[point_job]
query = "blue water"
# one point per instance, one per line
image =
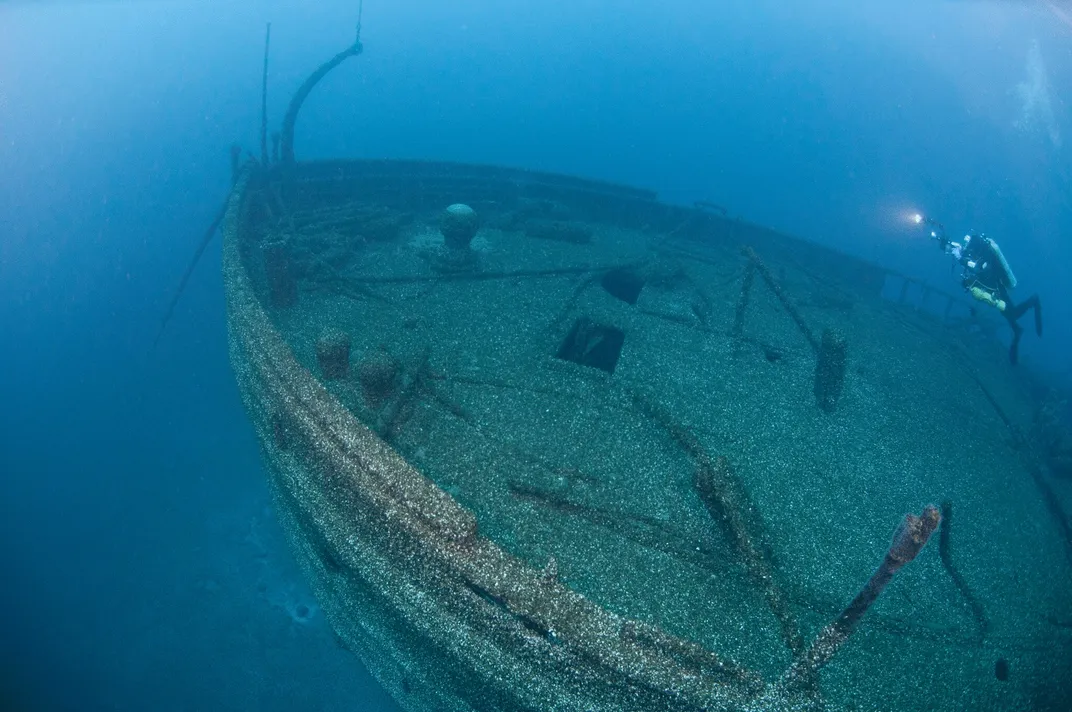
(142, 566)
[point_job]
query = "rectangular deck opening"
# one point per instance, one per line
(591, 344)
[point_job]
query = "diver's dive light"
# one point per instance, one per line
(937, 230)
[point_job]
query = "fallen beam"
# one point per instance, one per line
(727, 501)
(775, 287)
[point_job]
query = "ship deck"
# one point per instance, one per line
(625, 396)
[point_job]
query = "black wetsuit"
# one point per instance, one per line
(990, 276)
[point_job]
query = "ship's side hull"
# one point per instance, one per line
(443, 617)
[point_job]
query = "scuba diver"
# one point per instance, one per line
(987, 277)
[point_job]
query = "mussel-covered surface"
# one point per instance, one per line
(562, 446)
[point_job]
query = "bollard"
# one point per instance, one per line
(830, 370)
(459, 224)
(333, 354)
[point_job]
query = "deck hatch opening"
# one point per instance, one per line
(623, 283)
(592, 344)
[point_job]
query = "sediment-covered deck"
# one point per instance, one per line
(613, 454)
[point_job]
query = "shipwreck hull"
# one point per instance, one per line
(443, 617)
(424, 578)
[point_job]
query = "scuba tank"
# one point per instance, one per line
(984, 259)
(1010, 278)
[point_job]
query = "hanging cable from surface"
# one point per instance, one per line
(264, 97)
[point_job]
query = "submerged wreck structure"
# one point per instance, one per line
(546, 443)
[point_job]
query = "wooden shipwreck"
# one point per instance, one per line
(614, 454)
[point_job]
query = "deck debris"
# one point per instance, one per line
(333, 354)
(830, 369)
(775, 287)
(742, 301)
(727, 501)
(946, 554)
(908, 541)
